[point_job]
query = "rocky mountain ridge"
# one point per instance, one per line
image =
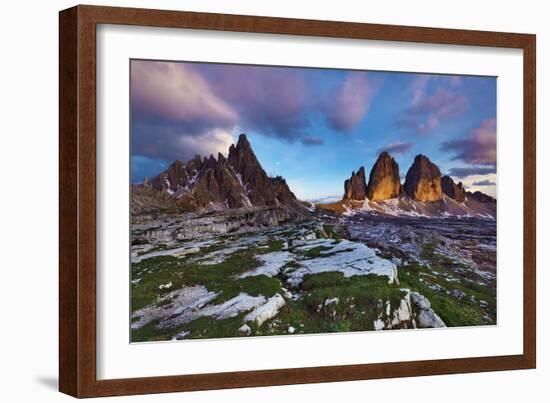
(212, 184)
(425, 192)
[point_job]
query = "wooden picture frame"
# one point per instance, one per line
(77, 182)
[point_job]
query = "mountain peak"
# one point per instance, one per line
(451, 189)
(384, 181)
(243, 159)
(355, 188)
(423, 180)
(220, 182)
(176, 164)
(243, 142)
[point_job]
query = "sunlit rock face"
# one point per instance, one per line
(384, 182)
(453, 190)
(355, 188)
(423, 180)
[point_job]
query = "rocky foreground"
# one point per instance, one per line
(331, 274)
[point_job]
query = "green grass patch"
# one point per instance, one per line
(273, 245)
(365, 291)
(150, 332)
(220, 278)
(253, 285)
(454, 311)
(315, 252)
(207, 327)
(334, 231)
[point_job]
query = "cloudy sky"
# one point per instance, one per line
(313, 126)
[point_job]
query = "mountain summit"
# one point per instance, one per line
(216, 184)
(423, 180)
(355, 188)
(384, 182)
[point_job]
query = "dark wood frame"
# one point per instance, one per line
(77, 208)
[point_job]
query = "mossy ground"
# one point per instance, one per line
(189, 271)
(361, 299)
(455, 311)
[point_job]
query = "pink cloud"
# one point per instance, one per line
(163, 91)
(427, 110)
(480, 147)
(350, 103)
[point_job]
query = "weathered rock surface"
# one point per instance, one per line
(414, 311)
(266, 311)
(355, 188)
(453, 190)
(177, 178)
(391, 317)
(146, 200)
(191, 225)
(423, 180)
(425, 317)
(218, 186)
(384, 182)
(358, 260)
(258, 186)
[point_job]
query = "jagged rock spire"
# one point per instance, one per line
(453, 190)
(355, 188)
(384, 182)
(423, 180)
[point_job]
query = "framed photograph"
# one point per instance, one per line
(254, 201)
